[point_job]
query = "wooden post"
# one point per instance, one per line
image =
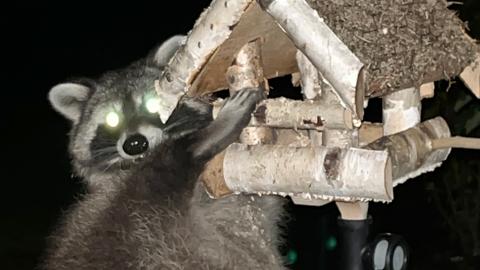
(343, 138)
(401, 110)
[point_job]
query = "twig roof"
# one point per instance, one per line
(403, 42)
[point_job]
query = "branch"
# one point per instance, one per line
(401, 110)
(456, 142)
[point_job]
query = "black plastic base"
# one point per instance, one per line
(353, 236)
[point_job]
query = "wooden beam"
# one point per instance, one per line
(353, 210)
(401, 110)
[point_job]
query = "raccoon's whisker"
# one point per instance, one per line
(101, 153)
(111, 163)
(104, 154)
(104, 151)
(172, 126)
(187, 124)
(105, 143)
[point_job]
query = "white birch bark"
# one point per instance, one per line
(401, 110)
(212, 28)
(296, 114)
(412, 151)
(309, 172)
(332, 58)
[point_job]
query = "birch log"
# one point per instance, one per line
(212, 28)
(296, 114)
(246, 70)
(332, 58)
(401, 110)
(411, 151)
(309, 172)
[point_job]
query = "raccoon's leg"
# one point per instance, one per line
(173, 169)
(225, 129)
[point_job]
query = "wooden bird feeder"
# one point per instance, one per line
(341, 53)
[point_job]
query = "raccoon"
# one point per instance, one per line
(144, 208)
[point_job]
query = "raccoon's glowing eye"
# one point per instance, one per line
(152, 105)
(112, 119)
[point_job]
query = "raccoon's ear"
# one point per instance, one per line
(160, 57)
(69, 99)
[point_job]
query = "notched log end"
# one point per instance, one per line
(212, 178)
(260, 114)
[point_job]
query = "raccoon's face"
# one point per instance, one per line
(115, 119)
(116, 131)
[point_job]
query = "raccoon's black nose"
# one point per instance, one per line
(135, 144)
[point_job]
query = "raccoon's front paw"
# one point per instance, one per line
(241, 104)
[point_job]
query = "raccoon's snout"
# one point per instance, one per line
(135, 144)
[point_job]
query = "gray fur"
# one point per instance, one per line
(167, 49)
(67, 99)
(149, 212)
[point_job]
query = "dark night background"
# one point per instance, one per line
(44, 44)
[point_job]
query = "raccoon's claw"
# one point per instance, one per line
(242, 102)
(248, 93)
(232, 118)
